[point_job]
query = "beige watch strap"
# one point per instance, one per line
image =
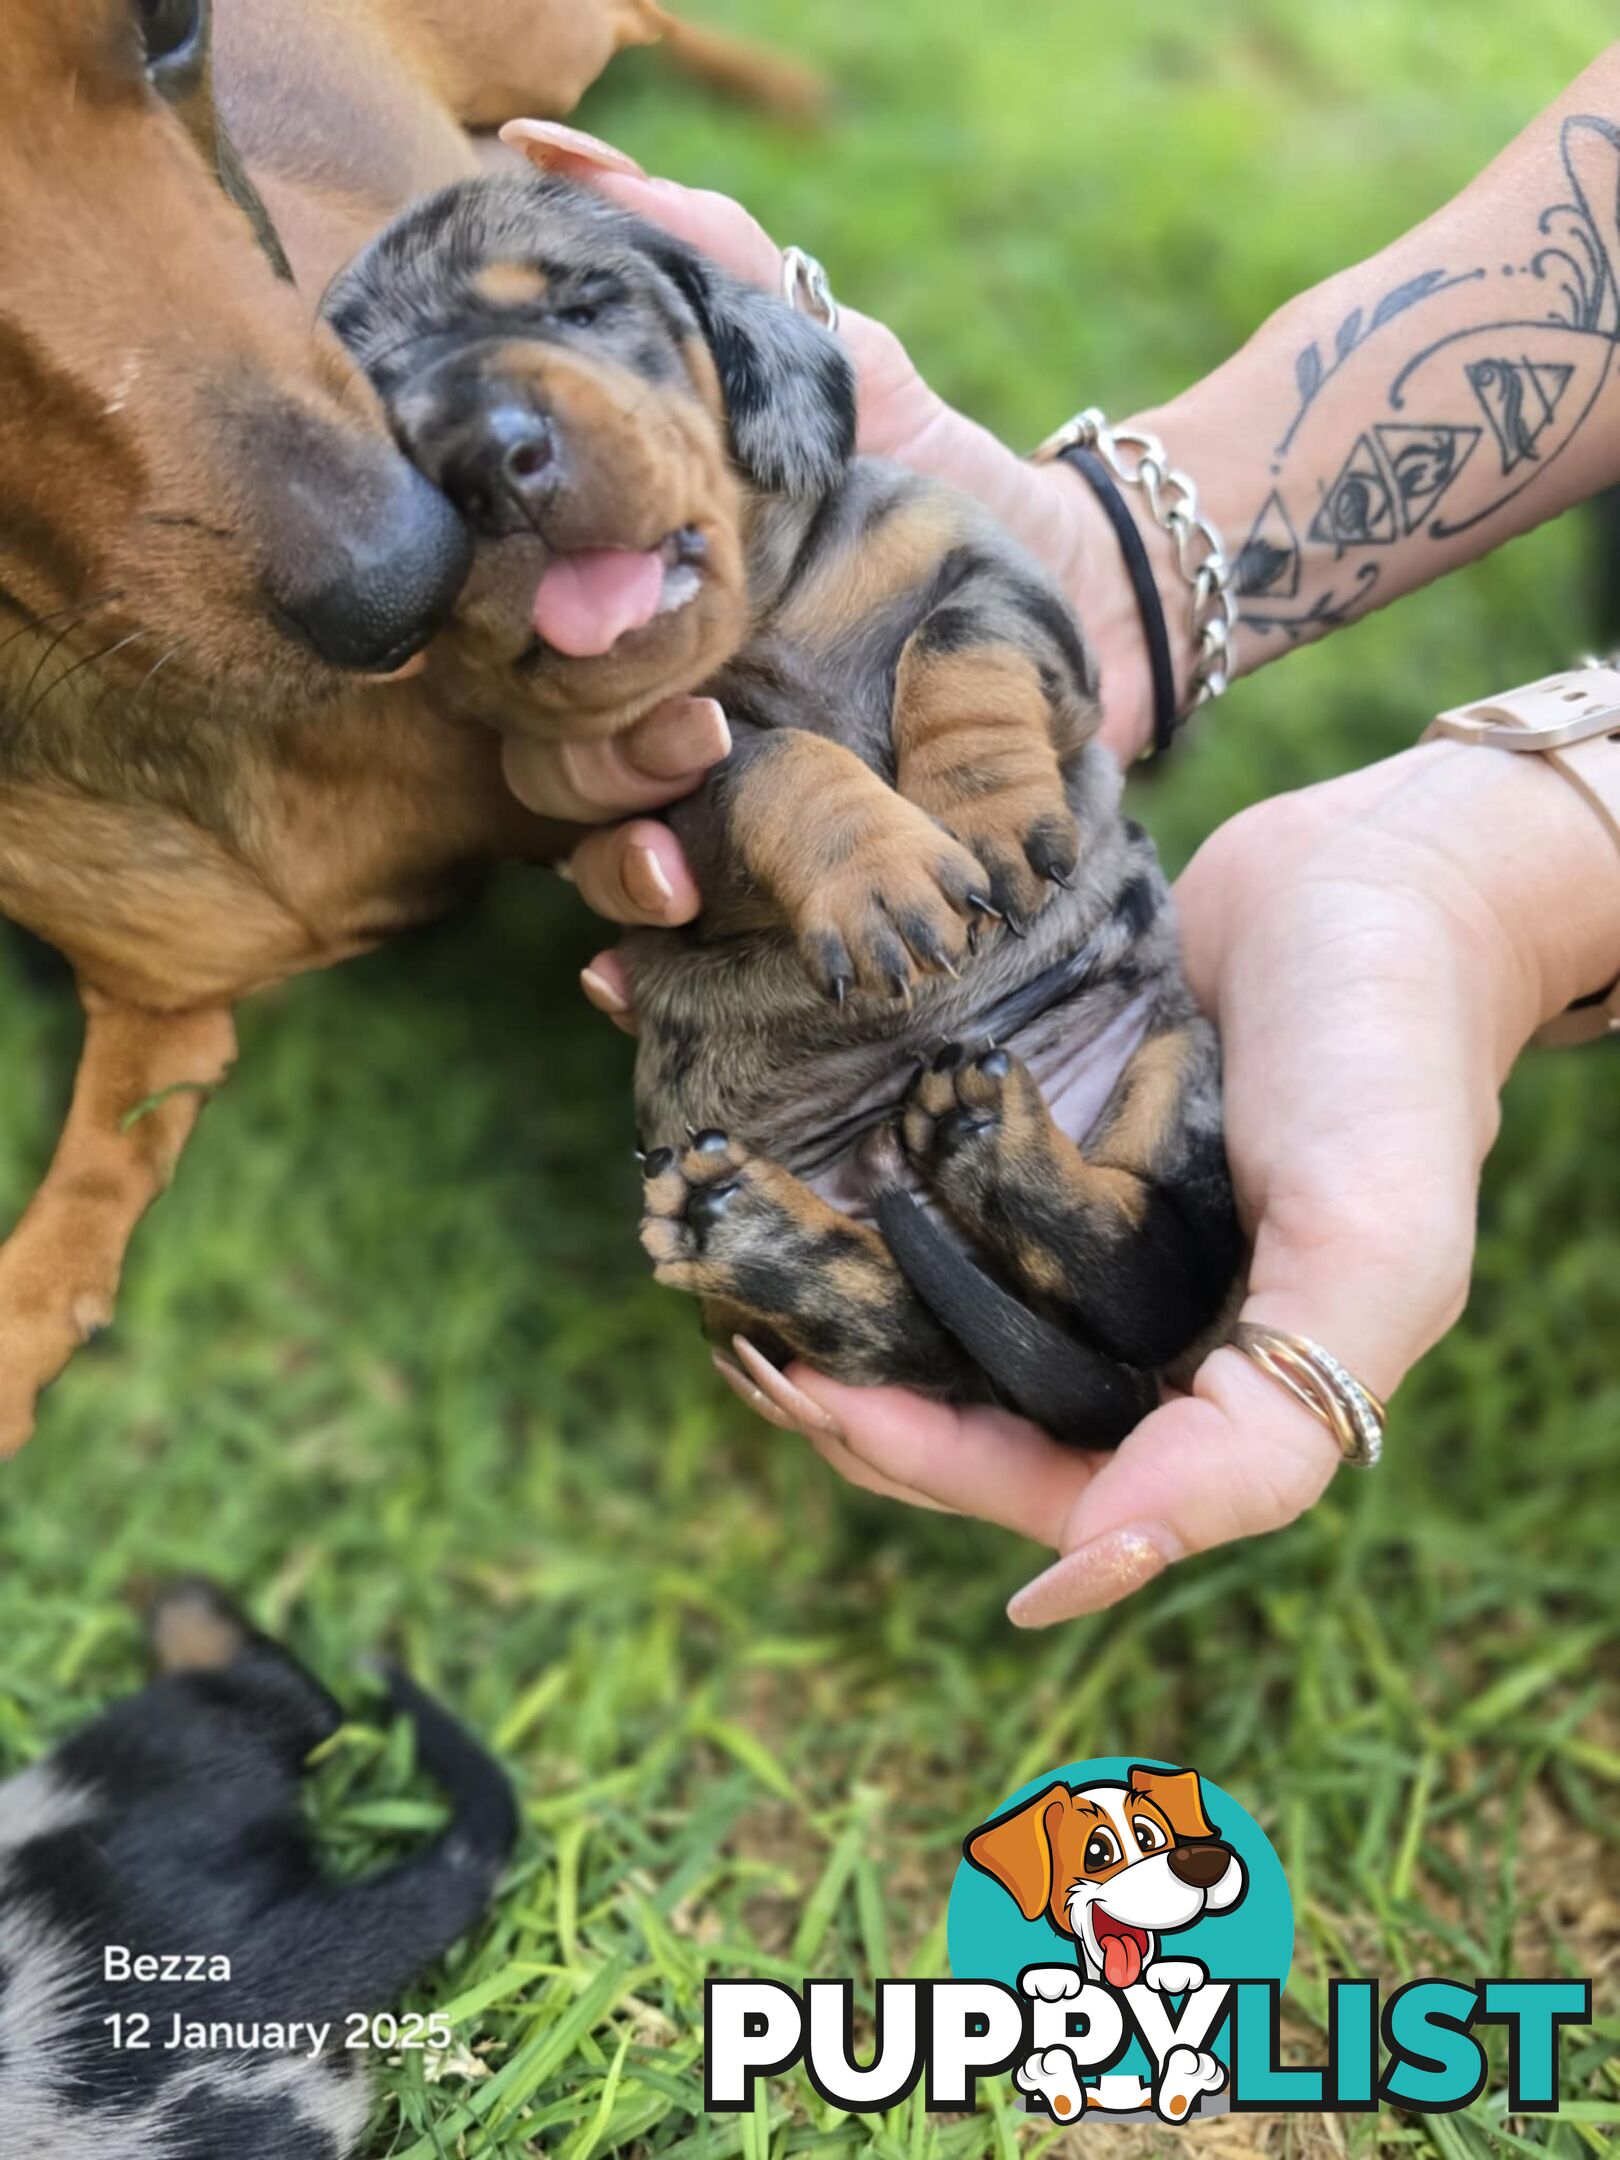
(1573, 721)
(1593, 768)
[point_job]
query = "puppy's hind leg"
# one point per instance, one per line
(142, 1083)
(1131, 1241)
(775, 1261)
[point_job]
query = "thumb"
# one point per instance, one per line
(1240, 1455)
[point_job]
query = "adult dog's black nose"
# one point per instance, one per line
(364, 557)
(1199, 1866)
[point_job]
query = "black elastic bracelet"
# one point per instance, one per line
(1143, 584)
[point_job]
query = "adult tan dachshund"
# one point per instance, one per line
(207, 535)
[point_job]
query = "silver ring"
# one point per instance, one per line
(807, 288)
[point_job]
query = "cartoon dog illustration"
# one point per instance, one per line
(1114, 1867)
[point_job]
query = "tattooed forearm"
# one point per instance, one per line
(1424, 399)
(1439, 406)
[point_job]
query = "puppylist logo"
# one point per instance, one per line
(1120, 1934)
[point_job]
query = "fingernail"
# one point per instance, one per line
(1096, 1575)
(602, 994)
(645, 883)
(564, 870)
(544, 140)
(801, 1411)
(746, 1392)
(685, 745)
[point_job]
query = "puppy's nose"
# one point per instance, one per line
(506, 470)
(1199, 1866)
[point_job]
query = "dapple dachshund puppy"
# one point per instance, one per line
(157, 1868)
(954, 1118)
(207, 537)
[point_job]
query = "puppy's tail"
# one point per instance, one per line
(1067, 1387)
(348, 1947)
(741, 68)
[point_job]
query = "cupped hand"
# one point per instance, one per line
(1373, 971)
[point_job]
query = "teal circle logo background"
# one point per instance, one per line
(988, 1938)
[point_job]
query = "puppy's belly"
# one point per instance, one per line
(733, 1037)
(1077, 1064)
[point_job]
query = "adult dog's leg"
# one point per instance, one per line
(143, 1080)
(496, 60)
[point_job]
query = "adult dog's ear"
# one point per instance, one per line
(788, 384)
(1179, 1797)
(1017, 1849)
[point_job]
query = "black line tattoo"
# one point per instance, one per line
(1499, 399)
(1328, 611)
(1312, 374)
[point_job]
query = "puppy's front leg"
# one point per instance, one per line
(982, 722)
(142, 1082)
(794, 831)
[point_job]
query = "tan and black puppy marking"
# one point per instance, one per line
(762, 1250)
(585, 393)
(871, 887)
(1106, 1237)
(916, 838)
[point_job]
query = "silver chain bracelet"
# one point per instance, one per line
(1172, 501)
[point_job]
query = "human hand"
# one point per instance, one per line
(1375, 951)
(1045, 506)
(633, 872)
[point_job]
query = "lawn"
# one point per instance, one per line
(389, 1363)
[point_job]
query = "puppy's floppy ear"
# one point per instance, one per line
(1017, 1849)
(1178, 1795)
(788, 384)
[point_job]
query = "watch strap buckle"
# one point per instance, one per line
(1573, 707)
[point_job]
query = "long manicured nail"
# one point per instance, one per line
(687, 742)
(746, 1392)
(602, 994)
(1096, 1575)
(546, 140)
(801, 1412)
(645, 883)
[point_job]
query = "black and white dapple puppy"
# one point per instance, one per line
(170, 1831)
(953, 1116)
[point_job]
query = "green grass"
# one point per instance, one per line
(389, 1364)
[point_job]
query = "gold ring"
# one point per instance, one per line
(1336, 1398)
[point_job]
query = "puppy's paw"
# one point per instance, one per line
(964, 1106)
(706, 1207)
(1028, 841)
(1051, 2079)
(1187, 2075)
(1174, 1976)
(901, 903)
(1051, 1983)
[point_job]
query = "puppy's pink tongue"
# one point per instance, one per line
(588, 601)
(1122, 1960)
